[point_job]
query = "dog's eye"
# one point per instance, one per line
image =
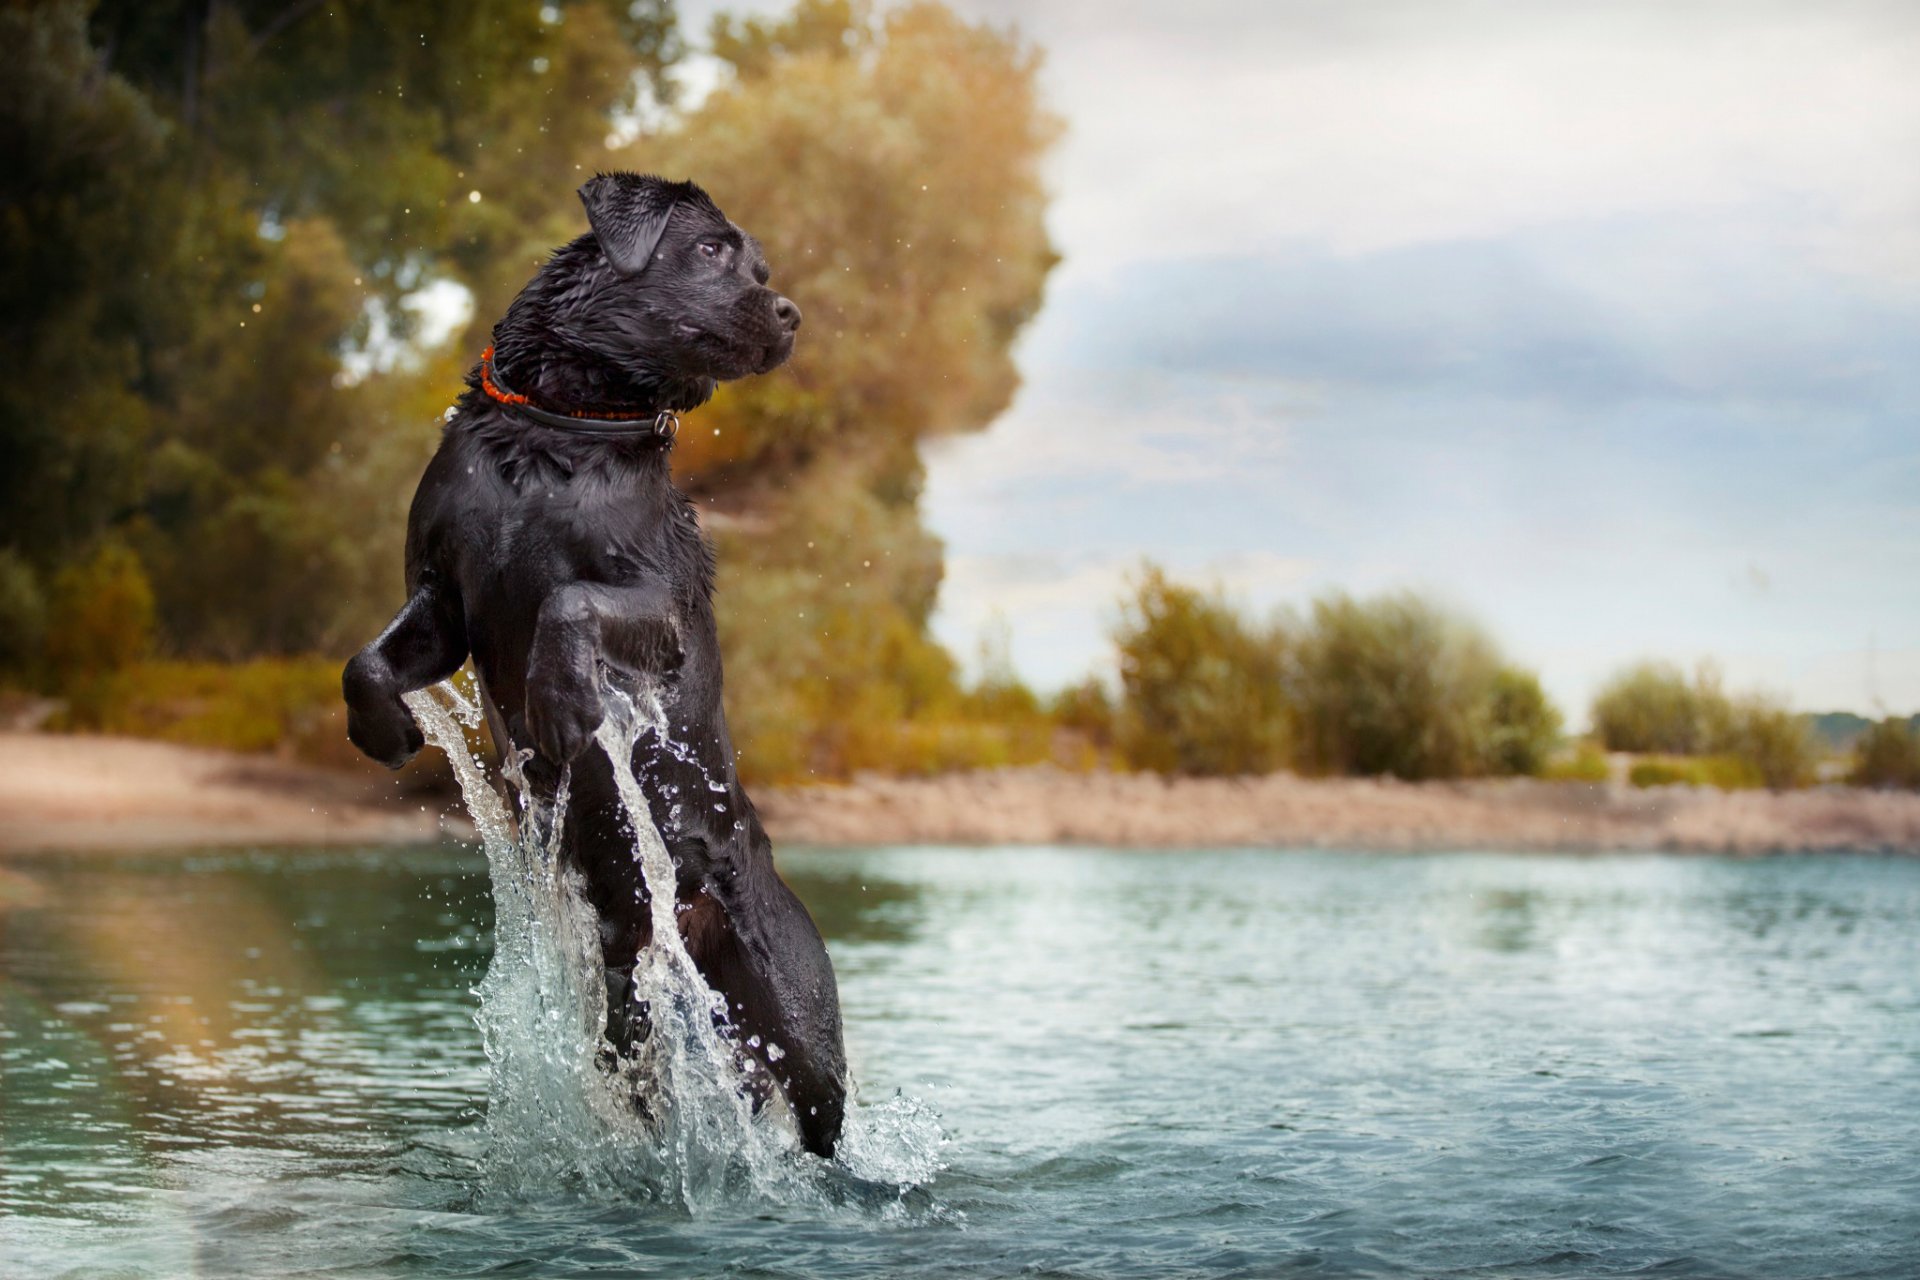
(709, 249)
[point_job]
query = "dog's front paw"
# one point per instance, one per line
(562, 717)
(385, 731)
(377, 721)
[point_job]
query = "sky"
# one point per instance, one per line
(1599, 322)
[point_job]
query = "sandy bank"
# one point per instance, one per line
(83, 792)
(1047, 806)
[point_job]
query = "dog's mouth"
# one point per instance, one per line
(730, 356)
(775, 355)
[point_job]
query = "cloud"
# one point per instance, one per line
(1216, 127)
(1583, 313)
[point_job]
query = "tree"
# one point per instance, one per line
(216, 215)
(1397, 685)
(1203, 691)
(891, 167)
(208, 205)
(1653, 706)
(1887, 755)
(1524, 727)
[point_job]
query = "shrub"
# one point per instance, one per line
(1203, 689)
(1728, 773)
(249, 706)
(1771, 742)
(1652, 706)
(1396, 685)
(1524, 726)
(1585, 763)
(1088, 710)
(1887, 755)
(100, 620)
(23, 614)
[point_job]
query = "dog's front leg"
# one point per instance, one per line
(581, 623)
(426, 642)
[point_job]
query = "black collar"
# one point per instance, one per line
(660, 425)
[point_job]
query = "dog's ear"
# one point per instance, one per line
(628, 213)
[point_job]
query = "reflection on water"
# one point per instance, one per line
(1150, 1064)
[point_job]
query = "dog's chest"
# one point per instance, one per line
(539, 537)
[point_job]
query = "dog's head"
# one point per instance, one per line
(689, 287)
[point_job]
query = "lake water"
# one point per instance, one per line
(1143, 1064)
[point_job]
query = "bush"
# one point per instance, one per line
(1773, 743)
(1585, 763)
(1086, 709)
(1396, 685)
(1652, 706)
(262, 705)
(99, 621)
(23, 615)
(1728, 773)
(1203, 690)
(1887, 755)
(1524, 726)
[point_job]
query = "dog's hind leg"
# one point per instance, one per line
(772, 969)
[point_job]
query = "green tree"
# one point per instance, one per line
(100, 618)
(1523, 725)
(214, 216)
(1653, 706)
(1773, 741)
(1203, 690)
(891, 166)
(23, 615)
(1397, 685)
(1887, 755)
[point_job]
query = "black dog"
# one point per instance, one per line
(547, 539)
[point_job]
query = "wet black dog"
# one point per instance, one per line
(548, 541)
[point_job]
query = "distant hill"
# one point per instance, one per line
(1841, 729)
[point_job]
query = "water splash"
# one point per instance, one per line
(675, 1123)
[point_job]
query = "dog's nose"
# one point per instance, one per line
(788, 313)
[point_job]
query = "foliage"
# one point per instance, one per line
(1653, 707)
(249, 706)
(1586, 762)
(1397, 685)
(1203, 688)
(1887, 755)
(1728, 773)
(23, 615)
(1087, 710)
(208, 207)
(891, 167)
(215, 217)
(1523, 726)
(1392, 685)
(1772, 742)
(823, 600)
(100, 618)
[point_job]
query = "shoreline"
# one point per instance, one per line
(83, 793)
(1049, 806)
